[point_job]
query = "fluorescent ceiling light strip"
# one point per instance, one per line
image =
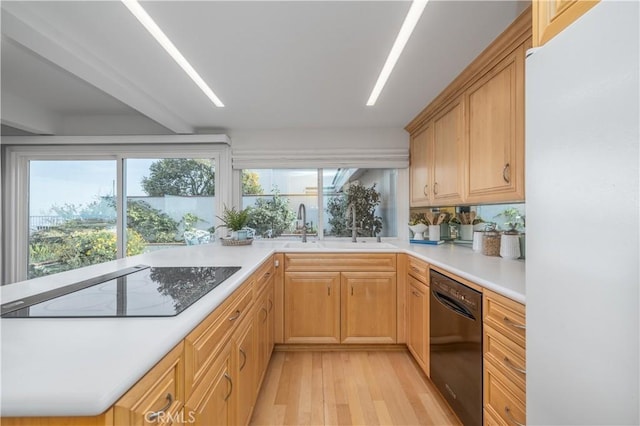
(136, 9)
(415, 11)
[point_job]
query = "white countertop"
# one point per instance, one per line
(80, 367)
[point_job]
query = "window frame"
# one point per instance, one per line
(402, 195)
(15, 193)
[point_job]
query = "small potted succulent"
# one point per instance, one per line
(235, 220)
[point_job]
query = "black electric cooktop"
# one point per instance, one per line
(139, 291)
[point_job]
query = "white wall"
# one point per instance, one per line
(583, 139)
(309, 139)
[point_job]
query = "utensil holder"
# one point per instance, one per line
(466, 232)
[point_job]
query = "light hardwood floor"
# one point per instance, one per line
(348, 388)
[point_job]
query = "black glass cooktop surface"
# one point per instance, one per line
(139, 291)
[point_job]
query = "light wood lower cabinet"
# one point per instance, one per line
(211, 403)
(504, 360)
(158, 397)
(312, 307)
(368, 307)
(418, 322)
(264, 318)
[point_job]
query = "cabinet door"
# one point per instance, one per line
(418, 322)
(211, 401)
(368, 307)
(448, 171)
(420, 168)
(158, 397)
(495, 140)
(244, 360)
(550, 17)
(264, 319)
(312, 307)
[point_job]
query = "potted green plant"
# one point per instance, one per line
(234, 220)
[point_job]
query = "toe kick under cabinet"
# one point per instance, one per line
(338, 298)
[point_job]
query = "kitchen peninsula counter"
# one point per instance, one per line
(82, 366)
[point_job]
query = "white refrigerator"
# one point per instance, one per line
(582, 177)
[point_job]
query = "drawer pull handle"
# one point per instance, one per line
(415, 293)
(266, 314)
(507, 411)
(506, 361)
(244, 358)
(513, 324)
(226, 376)
(413, 268)
(266, 275)
(505, 176)
(435, 188)
(152, 416)
(424, 190)
(270, 304)
(235, 316)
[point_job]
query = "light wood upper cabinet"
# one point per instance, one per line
(368, 307)
(467, 145)
(420, 170)
(448, 167)
(437, 171)
(312, 307)
(495, 138)
(550, 17)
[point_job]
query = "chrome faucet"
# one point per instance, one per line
(354, 227)
(302, 215)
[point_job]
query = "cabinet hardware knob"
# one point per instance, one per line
(152, 416)
(506, 361)
(244, 358)
(505, 176)
(507, 411)
(226, 376)
(424, 190)
(507, 321)
(235, 316)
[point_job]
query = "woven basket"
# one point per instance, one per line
(230, 242)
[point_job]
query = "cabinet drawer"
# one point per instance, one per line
(338, 262)
(506, 355)
(263, 274)
(206, 340)
(418, 269)
(160, 391)
(502, 399)
(505, 316)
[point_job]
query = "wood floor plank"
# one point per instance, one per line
(348, 388)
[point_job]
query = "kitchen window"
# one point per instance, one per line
(275, 196)
(69, 207)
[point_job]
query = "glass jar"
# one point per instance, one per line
(491, 243)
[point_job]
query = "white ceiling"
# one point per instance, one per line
(275, 65)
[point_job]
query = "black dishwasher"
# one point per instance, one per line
(455, 346)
